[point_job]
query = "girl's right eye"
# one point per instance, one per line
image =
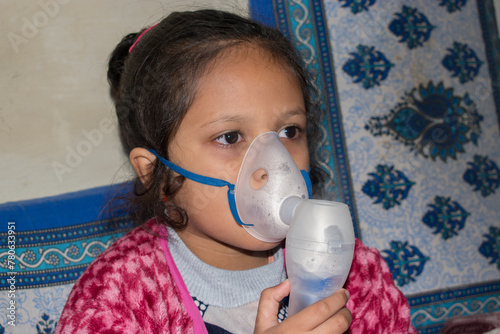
(229, 138)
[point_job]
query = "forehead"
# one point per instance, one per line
(248, 83)
(238, 54)
(247, 70)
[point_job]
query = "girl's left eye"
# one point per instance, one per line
(229, 138)
(290, 132)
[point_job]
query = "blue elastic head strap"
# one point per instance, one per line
(308, 181)
(208, 181)
(192, 176)
(221, 183)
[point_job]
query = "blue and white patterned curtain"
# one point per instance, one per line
(410, 95)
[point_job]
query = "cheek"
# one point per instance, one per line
(199, 200)
(228, 170)
(300, 155)
(304, 161)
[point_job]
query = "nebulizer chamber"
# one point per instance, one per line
(319, 251)
(272, 201)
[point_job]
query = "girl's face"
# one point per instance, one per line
(244, 94)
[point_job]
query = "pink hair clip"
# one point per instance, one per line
(140, 36)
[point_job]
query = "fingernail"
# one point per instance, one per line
(347, 294)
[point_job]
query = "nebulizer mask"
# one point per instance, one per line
(271, 200)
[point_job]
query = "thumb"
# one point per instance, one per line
(269, 305)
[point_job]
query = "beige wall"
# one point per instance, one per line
(57, 128)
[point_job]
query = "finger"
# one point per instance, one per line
(319, 312)
(339, 323)
(269, 305)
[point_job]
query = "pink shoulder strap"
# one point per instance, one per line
(194, 313)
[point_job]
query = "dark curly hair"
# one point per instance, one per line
(154, 85)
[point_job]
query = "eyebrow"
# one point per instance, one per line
(225, 119)
(240, 119)
(294, 112)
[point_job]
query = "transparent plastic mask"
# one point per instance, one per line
(267, 177)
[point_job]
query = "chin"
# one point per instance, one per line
(241, 239)
(257, 245)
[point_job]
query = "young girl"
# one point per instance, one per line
(192, 92)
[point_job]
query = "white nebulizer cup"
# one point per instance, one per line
(271, 197)
(319, 250)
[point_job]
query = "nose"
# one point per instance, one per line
(258, 179)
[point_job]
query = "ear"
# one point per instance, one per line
(143, 162)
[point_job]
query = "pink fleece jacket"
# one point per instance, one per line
(135, 287)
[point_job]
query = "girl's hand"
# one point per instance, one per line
(329, 315)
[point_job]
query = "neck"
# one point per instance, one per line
(221, 255)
